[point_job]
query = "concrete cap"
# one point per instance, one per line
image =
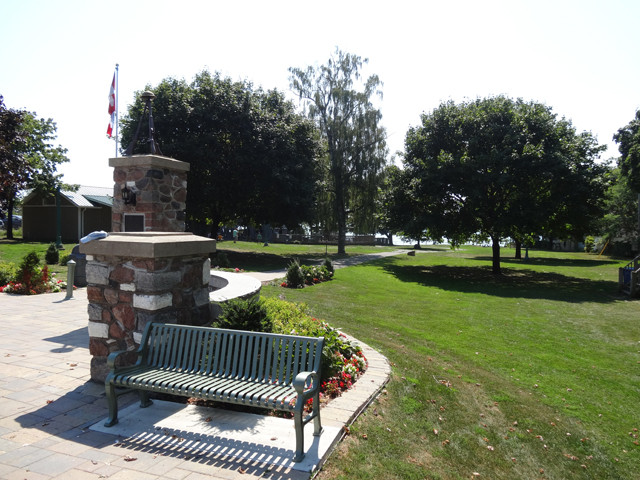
(150, 245)
(152, 161)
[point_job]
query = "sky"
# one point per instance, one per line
(57, 58)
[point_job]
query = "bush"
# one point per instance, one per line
(64, 259)
(328, 265)
(242, 314)
(222, 260)
(295, 277)
(342, 361)
(52, 255)
(8, 273)
(589, 243)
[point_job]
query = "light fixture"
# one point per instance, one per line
(128, 196)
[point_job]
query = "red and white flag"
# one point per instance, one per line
(112, 107)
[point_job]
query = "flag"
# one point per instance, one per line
(112, 107)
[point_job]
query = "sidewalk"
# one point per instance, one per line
(49, 410)
(341, 263)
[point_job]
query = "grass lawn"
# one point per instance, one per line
(534, 374)
(13, 251)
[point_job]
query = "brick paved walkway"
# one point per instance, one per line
(47, 404)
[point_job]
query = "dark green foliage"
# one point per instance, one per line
(52, 255)
(328, 265)
(295, 277)
(221, 260)
(242, 314)
(502, 168)
(628, 138)
(251, 155)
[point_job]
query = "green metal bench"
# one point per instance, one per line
(280, 372)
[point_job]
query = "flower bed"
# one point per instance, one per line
(31, 279)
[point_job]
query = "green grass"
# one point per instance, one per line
(541, 364)
(13, 251)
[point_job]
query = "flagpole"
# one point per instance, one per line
(117, 98)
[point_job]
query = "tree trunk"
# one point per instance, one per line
(518, 249)
(341, 212)
(10, 217)
(496, 255)
(390, 237)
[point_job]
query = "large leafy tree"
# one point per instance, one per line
(28, 159)
(502, 168)
(355, 140)
(628, 139)
(252, 156)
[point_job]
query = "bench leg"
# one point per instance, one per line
(297, 420)
(112, 402)
(145, 401)
(317, 425)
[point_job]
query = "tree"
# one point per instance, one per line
(502, 168)
(355, 141)
(628, 139)
(252, 156)
(621, 218)
(29, 159)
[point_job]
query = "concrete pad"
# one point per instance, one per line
(215, 431)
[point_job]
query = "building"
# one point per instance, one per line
(82, 212)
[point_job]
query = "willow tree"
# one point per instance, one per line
(341, 105)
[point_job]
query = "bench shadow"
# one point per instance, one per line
(513, 283)
(72, 415)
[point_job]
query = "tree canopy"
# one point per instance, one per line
(628, 139)
(355, 141)
(252, 156)
(502, 168)
(28, 159)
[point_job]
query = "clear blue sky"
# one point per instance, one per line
(57, 58)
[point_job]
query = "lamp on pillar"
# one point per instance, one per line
(128, 195)
(154, 149)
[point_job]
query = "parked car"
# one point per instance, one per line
(1, 224)
(17, 221)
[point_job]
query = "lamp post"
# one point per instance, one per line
(147, 97)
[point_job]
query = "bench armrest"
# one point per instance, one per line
(301, 380)
(113, 356)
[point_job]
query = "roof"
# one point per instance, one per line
(86, 197)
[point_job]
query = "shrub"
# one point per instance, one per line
(7, 273)
(52, 255)
(295, 277)
(64, 259)
(328, 265)
(222, 260)
(342, 361)
(242, 314)
(589, 243)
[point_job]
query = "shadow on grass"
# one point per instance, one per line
(266, 262)
(512, 283)
(553, 262)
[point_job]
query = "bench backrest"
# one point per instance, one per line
(239, 354)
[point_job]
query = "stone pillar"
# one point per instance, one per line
(136, 278)
(160, 185)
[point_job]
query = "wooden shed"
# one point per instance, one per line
(82, 212)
